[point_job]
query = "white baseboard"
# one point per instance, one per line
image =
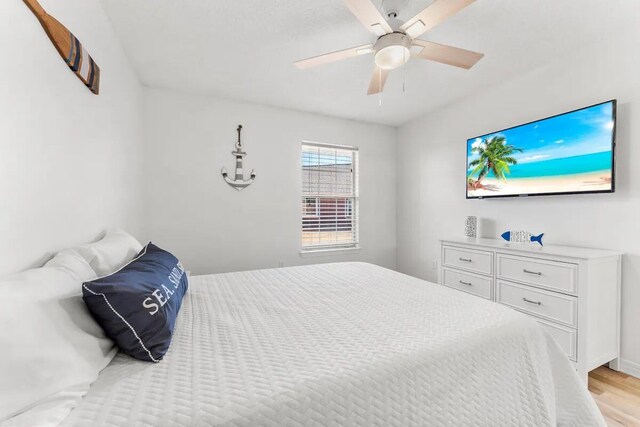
(630, 368)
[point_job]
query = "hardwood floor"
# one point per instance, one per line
(617, 395)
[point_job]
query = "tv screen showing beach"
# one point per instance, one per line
(568, 153)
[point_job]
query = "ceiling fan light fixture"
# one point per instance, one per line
(392, 57)
(392, 51)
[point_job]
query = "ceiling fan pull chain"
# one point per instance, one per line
(380, 83)
(404, 72)
(404, 81)
(404, 78)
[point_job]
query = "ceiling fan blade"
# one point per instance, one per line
(436, 13)
(378, 79)
(334, 56)
(370, 16)
(447, 54)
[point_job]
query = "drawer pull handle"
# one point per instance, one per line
(466, 259)
(532, 302)
(537, 273)
(465, 283)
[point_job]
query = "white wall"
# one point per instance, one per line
(214, 228)
(431, 178)
(68, 159)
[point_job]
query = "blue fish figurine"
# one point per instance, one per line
(521, 236)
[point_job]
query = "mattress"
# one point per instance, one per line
(347, 344)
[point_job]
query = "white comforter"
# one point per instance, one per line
(342, 344)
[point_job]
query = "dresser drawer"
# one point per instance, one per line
(566, 338)
(549, 305)
(468, 259)
(553, 275)
(471, 283)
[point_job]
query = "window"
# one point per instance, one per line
(329, 196)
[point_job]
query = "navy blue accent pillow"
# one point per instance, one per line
(137, 305)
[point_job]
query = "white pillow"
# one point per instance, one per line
(51, 348)
(75, 261)
(110, 253)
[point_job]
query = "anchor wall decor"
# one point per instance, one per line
(239, 183)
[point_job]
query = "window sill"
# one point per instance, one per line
(328, 252)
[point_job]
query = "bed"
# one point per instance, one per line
(341, 344)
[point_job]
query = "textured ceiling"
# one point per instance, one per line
(244, 49)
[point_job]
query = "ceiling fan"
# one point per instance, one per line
(397, 42)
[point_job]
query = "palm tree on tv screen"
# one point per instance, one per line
(495, 156)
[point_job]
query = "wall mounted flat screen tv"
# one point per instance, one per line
(571, 153)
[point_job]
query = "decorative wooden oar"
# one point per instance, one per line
(69, 48)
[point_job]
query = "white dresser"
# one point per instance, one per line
(574, 293)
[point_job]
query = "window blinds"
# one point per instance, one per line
(329, 196)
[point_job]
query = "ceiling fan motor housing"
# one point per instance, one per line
(392, 50)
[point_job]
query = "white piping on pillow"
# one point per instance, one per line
(116, 312)
(124, 320)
